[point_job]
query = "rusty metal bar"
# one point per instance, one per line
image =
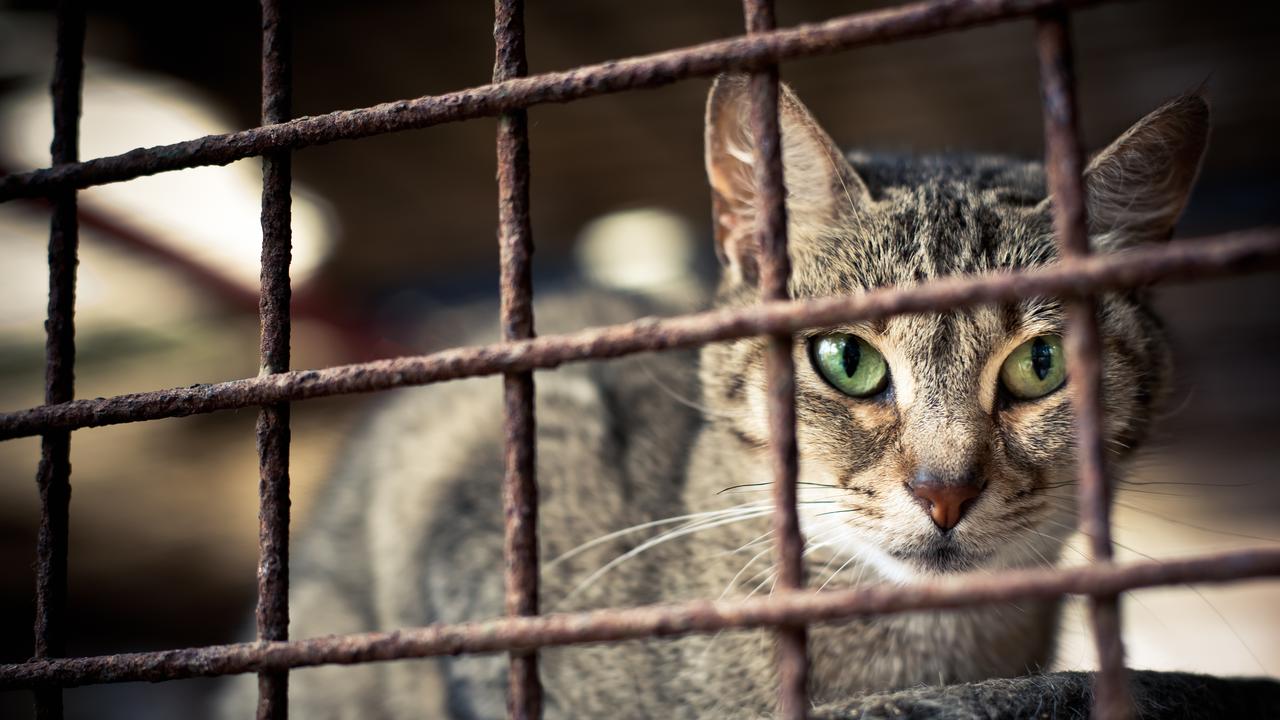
(1065, 165)
(1181, 260)
(699, 616)
(273, 310)
(646, 71)
(53, 478)
(524, 631)
(515, 242)
(775, 267)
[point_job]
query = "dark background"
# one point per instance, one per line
(163, 519)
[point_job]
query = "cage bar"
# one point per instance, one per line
(775, 272)
(646, 71)
(273, 419)
(1064, 163)
(1075, 279)
(1247, 251)
(652, 621)
(53, 478)
(515, 242)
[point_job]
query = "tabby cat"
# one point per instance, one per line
(929, 443)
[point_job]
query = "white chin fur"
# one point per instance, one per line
(846, 543)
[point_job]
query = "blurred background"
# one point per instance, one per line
(395, 232)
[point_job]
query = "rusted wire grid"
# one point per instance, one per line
(273, 311)
(1112, 703)
(613, 625)
(647, 71)
(1181, 260)
(53, 477)
(1064, 163)
(515, 241)
(775, 272)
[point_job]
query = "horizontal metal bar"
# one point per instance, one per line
(645, 71)
(1242, 252)
(699, 616)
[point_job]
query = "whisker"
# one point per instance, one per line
(1044, 561)
(838, 512)
(1205, 600)
(1067, 545)
(687, 402)
(811, 545)
(645, 526)
(665, 537)
(773, 575)
(1230, 627)
(1127, 490)
(759, 539)
(1175, 522)
(1186, 482)
(840, 569)
(770, 482)
(732, 583)
(1192, 525)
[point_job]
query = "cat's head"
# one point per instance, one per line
(944, 441)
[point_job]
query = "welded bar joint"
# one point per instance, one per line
(273, 419)
(53, 477)
(515, 241)
(1065, 167)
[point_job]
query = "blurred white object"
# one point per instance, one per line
(647, 250)
(210, 214)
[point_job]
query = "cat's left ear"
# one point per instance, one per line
(1138, 186)
(821, 184)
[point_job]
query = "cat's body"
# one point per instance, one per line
(410, 531)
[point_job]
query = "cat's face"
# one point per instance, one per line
(939, 442)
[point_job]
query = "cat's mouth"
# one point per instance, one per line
(942, 557)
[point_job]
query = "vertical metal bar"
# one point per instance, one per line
(53, 478)
(793, 663)
(1065, 165)
(515, 240)
(273, 310)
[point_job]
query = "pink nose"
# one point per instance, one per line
(945, 501)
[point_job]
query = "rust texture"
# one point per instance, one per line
(699, 616)
(53, 477)
(273, 309)
(647, 71)
(775, 266)
(1242, 252)
(515, 242)
(1064, 163)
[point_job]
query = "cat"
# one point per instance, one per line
(930, 444)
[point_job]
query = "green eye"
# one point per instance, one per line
(850, 363)
(1035, 368)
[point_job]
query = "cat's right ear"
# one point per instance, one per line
(1138, 186)
(821, 184)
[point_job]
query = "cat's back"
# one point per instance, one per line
(409, 530)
